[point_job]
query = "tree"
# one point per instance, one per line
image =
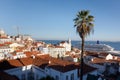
(84, 26)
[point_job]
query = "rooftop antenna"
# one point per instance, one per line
(18, 30)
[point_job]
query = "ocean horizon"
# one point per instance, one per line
(75, 43)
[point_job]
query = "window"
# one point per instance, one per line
(72, 76)
(66, 77)
(37, 77)
(56, 77)
(23, 77)
(30, 76)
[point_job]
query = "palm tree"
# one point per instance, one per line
(84, 26)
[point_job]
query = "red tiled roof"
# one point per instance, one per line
(15, 63)
(2, 44)
(75, 55)
(14, 54)
(77, 51)
(98, 60)
(57, 64)
(68, 52)
(3, 37)
(26, 61)
(103, 60)
(40, 62)
(28, 54)
(104, 54)
(8, 43)
(63, 68)
(19, 50)
(9, 64)
(88, 53)
(62, 42)
(44, 57)
(59, 47)
(96, 54)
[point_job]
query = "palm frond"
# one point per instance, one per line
(90, 18)
(83, 23)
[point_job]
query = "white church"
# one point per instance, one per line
(66, 44)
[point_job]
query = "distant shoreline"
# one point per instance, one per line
(73, 40)
(115, 45)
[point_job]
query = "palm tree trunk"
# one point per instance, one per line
(81, 61)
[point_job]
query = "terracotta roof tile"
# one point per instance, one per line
(40, 62)
(15, 63)
(104, 54)
(63, 68)
(59, 47)
(3, 37)
(2, 44)
(9, 64)
(28, 54)
(88, 53)
(68, 53)
(14, 54)
(8, 43)
(62, 42)
(26, 61)
(103, 60)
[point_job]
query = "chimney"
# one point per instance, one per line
(115, 58)
(92, 59)
(33, 56)
(49, 62)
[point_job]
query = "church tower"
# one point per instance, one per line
(69, 41)
(2, 33)
(69, 44)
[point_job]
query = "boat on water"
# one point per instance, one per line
(98, 47)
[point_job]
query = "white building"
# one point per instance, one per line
(43, 49)
(18, 55)
(107, 65)
(41, 66)
(67, 45)
(2, 33)
(54, 51)
(2, 55)
(57, 51)
(14, 46)
(3, 40)
(5, 49)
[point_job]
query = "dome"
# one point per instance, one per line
(2, 32)
(30, 39)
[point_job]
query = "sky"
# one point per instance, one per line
(53, 19)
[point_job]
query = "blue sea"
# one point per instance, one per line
(115, 45)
